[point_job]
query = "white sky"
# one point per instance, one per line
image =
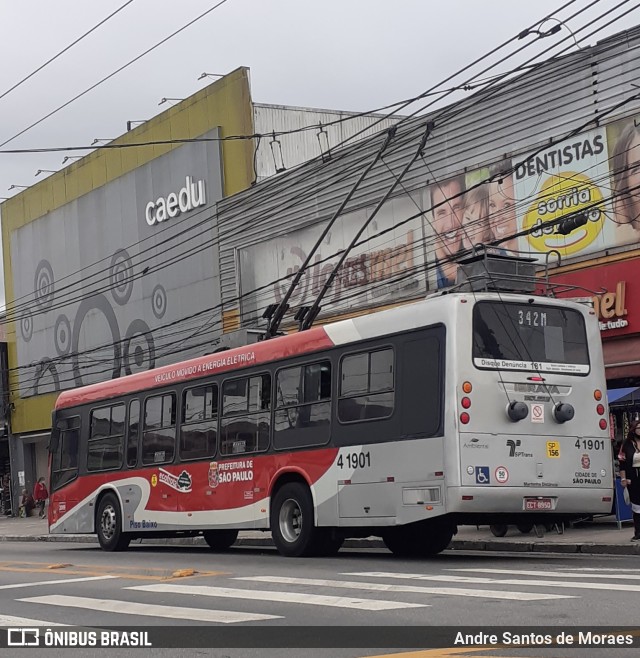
(339, 54)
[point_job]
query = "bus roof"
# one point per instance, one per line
(304, 342)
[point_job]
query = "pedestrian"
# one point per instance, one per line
(25, 504)
(40, 494)
(629, 458)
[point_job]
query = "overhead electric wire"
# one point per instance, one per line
(64, 50)
(111, 75)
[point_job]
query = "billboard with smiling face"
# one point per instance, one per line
(564, 179)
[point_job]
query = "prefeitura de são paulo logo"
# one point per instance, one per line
(213, 475)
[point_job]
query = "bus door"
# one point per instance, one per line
(64, 446)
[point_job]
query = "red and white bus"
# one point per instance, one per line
(459, 409)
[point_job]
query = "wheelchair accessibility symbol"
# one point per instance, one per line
(482, 475)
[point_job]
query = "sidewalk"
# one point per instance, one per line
(600, 536)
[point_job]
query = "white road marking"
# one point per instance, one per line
(284, 597)
(5, 620)
(42, 583)
(501, 581)
(410, 589)
(148, 610)
(553, 574)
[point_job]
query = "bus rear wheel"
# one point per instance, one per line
(419, 540)
(220, 540)
(109, 525)
(292, 521)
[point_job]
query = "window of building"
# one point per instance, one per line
(159, 431)
(199, 427)
(303, 406)
(246, 415)
(366, 386)
(106, 438)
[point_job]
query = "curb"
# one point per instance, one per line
(456, 545)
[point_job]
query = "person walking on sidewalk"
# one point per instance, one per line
(40, 495)
(630, 473)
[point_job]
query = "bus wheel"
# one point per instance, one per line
(220, 540)
(292, 528)
(109, 525)
(499, 530)
(525, 528)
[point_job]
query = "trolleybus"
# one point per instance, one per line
(463, 408)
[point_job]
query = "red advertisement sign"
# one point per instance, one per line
(614, 289)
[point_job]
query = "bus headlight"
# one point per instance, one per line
(517, 411)
(563, 411)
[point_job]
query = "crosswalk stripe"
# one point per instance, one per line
(410, 589)
(148, 610)
(6, 620)
(58, 581)
(552, 574)
(499, 581)
(285, 597)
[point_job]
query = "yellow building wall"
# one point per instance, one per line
(225, 104)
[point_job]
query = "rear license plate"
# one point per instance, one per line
(538, 504)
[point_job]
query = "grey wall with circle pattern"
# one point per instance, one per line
(80, 280)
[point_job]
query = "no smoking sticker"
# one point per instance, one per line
(502, 474)
(537, 413)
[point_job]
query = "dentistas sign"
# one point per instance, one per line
(563, 179)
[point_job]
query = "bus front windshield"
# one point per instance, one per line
(510, 336)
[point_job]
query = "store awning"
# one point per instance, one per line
(622, 394)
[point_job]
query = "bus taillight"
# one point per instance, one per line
(464, 418)
(603, 424)
(600, 409)
(597, 394)
(465, 402)
(467, 387)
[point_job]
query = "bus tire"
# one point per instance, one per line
(292, 521)
(220, 540)
(109, 525)
(499, 529)
(525, 528)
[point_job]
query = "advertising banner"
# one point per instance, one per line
(387, 267)
(562, 180)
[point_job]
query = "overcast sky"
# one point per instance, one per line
(339, 54)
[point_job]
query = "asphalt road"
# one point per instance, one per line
(247, 591)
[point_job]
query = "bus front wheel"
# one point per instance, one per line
(292, 521)
(109, 525)
(220, 540)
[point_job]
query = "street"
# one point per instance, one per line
(159, 586)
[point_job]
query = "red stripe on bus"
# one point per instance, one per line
(303, 342)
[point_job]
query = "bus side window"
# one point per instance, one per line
(159, 433)
(199, 422)
(366, 386)
(246, 415)
(133, 433)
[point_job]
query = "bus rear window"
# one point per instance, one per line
(509, 336)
